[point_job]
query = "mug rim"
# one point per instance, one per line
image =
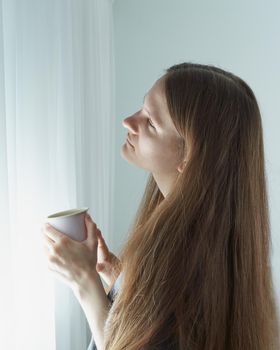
(69, 212)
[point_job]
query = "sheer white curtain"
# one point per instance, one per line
(57, 130)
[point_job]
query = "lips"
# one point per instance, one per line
(129, 142)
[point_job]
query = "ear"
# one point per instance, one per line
(182, 165)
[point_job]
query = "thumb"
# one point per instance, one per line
(101, 240)
(91, 229)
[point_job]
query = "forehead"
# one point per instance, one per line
(156, 93)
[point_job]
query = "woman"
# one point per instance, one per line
(196, 266)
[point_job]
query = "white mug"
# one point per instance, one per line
(70, 222)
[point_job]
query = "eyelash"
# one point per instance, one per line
(149, 121)
(151, 124)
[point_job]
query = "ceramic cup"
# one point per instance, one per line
(70, 222)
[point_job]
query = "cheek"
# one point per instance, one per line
(160, 154)
(150, 149)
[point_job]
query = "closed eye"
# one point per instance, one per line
(149, 121)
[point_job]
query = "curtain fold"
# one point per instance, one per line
(57, 137)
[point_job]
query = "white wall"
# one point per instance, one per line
(240, 36)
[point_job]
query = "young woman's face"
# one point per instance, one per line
(154, 139)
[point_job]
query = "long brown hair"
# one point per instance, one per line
(196, 263)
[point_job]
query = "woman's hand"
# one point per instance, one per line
(108, 265)
(69, 260)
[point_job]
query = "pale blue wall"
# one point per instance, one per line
(240, 36)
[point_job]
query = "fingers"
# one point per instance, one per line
(52, 233)
(91, 229)
(98, 235)
(48, 242)
(91, 224)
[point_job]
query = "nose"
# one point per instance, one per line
(130, 124)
